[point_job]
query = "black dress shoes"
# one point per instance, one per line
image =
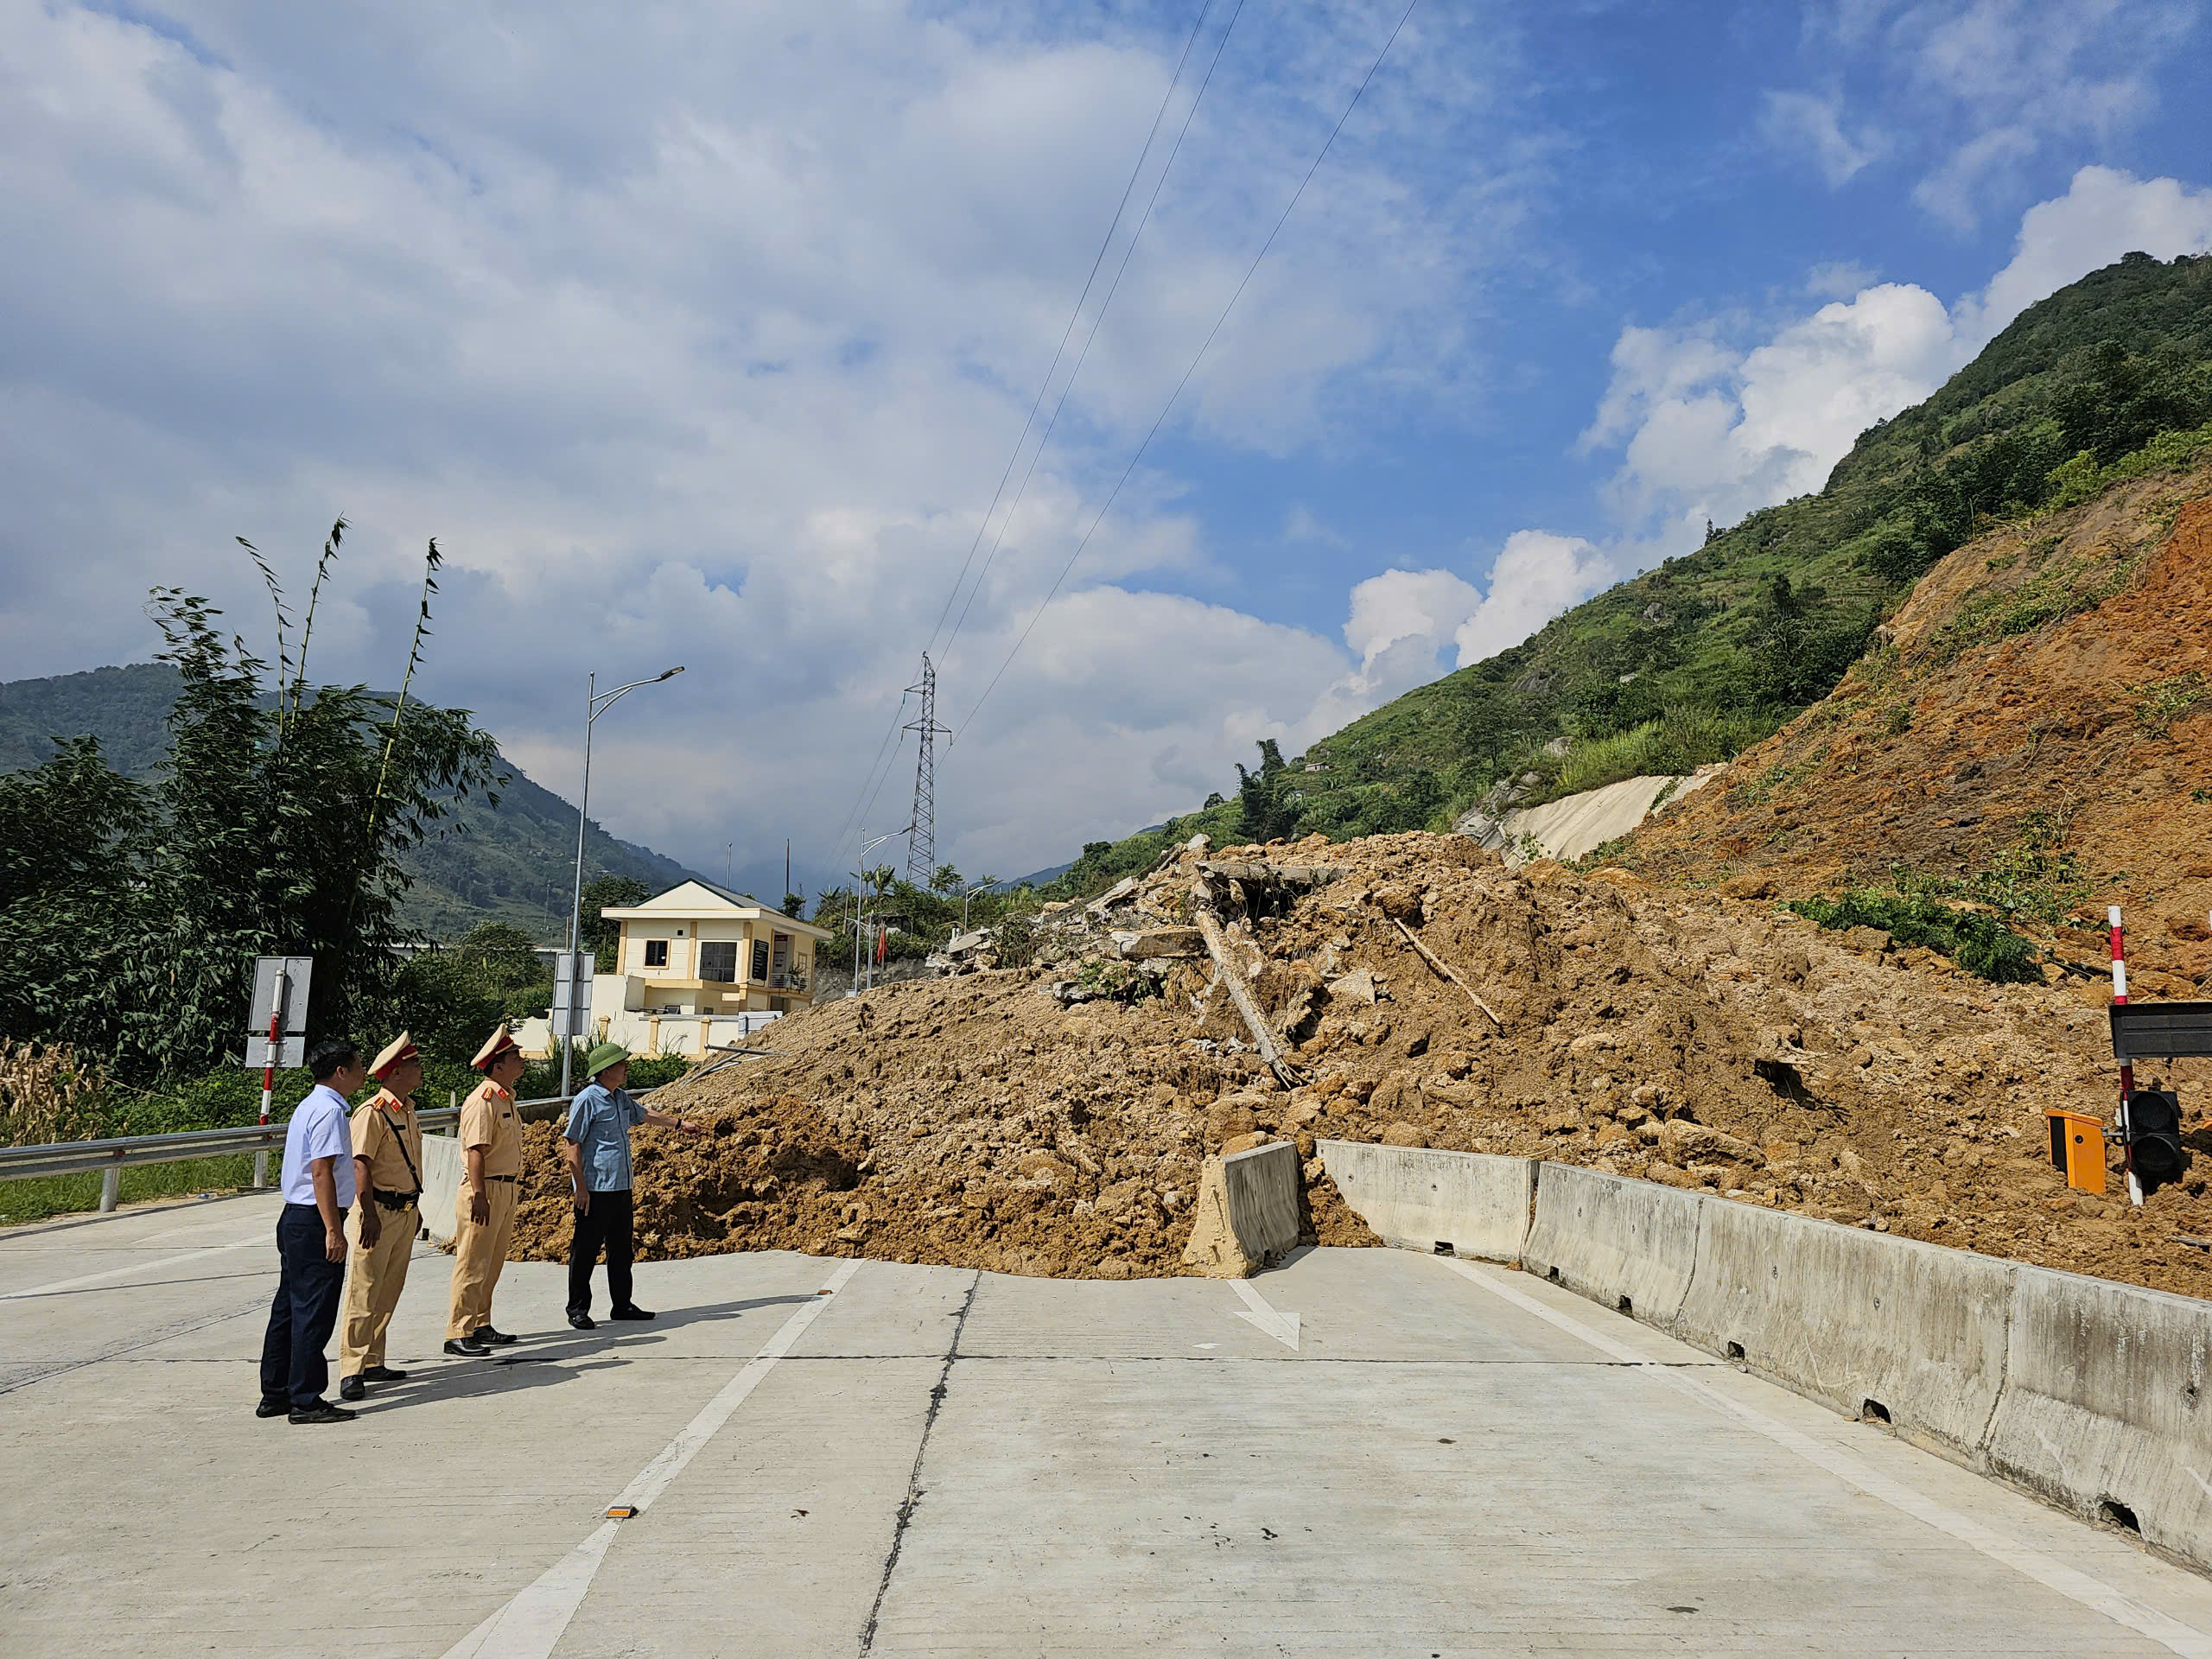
(322, 1412)
(272, 1408)
(350, 1388)
(466, 1348)
(628, 1313)
(582, 1322)
(486, 1334)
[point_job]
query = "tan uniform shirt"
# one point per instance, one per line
(386, 1134)
(489, 1119)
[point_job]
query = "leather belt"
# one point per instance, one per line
(500, 1177)
(397, 1201)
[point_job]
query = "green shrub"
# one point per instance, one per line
(1979, 942)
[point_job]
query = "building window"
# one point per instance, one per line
(656, 953)
(760, 958)
(718, 961)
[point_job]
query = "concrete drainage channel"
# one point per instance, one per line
(2083, 1392)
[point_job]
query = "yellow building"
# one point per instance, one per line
(699, 949)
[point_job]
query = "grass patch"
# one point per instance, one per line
(37, 1197)
(2164, 702)
(1978, 941)
(2077, 586)
(2081, 479)
(2031, 876)
(1679, 742)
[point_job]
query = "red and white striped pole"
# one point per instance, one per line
(2127, 1069)
(269, 1079)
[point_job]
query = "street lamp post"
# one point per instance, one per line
(859, 911)
(595, 704)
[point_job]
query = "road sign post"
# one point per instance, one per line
(571, 1018)
(276, 1029)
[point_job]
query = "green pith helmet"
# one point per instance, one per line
(605, 1055)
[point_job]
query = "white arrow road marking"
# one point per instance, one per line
(530, 1625)
(2033, 1563)
(1283, 1327)
(263, 1235)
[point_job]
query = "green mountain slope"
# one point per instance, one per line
(1695, 660)
(514, 862)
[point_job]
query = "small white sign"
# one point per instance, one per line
(572, 976)
(280, 991)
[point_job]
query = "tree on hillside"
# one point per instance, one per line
(1266, 805)
(1799, 646)
(132, 933)
(605, 892)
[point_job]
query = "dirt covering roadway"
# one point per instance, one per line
(1694, 1039)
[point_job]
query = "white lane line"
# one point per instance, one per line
(2051, 1574)
(531, 1624)
(263, 1235)
(1283, 1327)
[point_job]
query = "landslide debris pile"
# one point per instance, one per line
(1051, 1119)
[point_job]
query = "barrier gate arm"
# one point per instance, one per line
(2127, 1067)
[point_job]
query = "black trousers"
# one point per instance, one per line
(304, 1313)
(607, 1225)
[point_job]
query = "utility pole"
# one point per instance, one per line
(921, 836)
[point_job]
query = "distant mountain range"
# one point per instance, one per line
(515, 862)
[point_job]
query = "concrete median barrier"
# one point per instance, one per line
(441, 1170)
(1910, 1333)
(2108, 1406)
(1630, 1244)
(1418, 1199)
(1247, 1212)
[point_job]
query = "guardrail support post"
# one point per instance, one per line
(111, 1188)
(260, 1170)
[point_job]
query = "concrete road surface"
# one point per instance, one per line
(1366, 1452)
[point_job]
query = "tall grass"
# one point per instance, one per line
(47, 1094)
(1681, 741)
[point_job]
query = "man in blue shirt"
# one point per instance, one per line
(596, 1144)
(318, 1183)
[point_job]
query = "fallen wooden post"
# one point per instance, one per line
(1262, 1038)
(1445, 968)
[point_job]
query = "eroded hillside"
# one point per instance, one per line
(2033, 737)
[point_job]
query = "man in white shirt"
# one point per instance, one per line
(318, 1185)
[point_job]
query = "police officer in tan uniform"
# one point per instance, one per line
(387, 1170)
(484, 1210)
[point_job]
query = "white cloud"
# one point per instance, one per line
(1971, 93)
(1299, 524)
(1401, 621)
(702, 337)
(2103, 214)
(1714, 429)
(1813, 124)
(1538, 574)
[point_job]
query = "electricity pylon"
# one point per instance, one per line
(921, 831)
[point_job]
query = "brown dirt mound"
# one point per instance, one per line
(1689, 1038)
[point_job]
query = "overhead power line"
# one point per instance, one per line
(1098, 322)
(872, 784)
(1205, 346)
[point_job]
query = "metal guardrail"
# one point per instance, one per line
(113, 1157)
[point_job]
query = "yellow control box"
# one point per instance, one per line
(2077, 1146)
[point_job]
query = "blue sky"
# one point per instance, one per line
(704, 334)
